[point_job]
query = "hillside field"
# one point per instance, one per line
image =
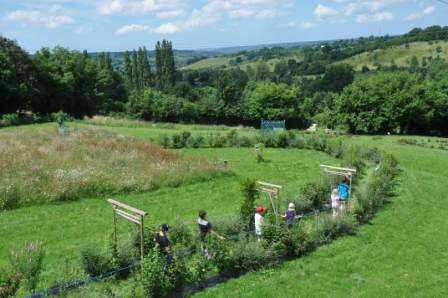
(401, 253)
(401, 55)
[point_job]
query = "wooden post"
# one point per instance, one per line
(114, 218)
(132, 214)
(142, 237)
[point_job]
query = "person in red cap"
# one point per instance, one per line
(259, 220)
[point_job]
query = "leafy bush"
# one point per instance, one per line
(163, 140)
(231, 226)
(283, 140)
(153, 277)
(124, 256)
(10, 119)
(9, 283)
(296, 242)
(199, 268)
(247, 209)
(233, 138)
(94, 262)
(196, 141)
(9, 197)
(60, 117)
(180, 233)
(235, 258)
(315, 192)
(178, 273)
(176, 141)
(28, 261)
(328, 228)
(184, 137)
(219, 141)
(245, 141)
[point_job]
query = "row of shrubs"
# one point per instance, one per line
(30, 118)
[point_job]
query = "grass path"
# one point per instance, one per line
(401, 253)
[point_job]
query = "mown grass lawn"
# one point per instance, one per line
(402, 252)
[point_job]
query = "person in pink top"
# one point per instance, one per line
(335, 202)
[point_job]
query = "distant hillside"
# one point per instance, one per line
(400, 55)
(243, 59)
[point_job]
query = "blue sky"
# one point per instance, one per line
(114, 25)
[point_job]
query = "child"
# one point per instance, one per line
(335, 202)
(344, 190)
(205, 228)
(259, 220)
(291, 215)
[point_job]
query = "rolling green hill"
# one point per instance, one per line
(400, 55)
(245, 59)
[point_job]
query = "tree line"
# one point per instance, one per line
(409, 99)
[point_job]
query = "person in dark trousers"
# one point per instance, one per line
(291, 215)
(161, 238)
(205, 228)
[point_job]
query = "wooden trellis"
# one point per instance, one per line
(344, 172)
(130, 213)
(272, 191)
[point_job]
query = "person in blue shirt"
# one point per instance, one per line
(344, 190)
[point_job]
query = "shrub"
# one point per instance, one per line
(230, 226)
(353, 158)
(9, 197)
(296, 242)
(236, 258)
(282, 140)
(28, 262)
(177, 273)
(95, 263)
(124, 256)
(247, 209)
(196, 141)
(163, 140)
(328, 228)
(298, 142)
(184, 137)
(232, 138)
(245, 141)
(9, 283)
(219, 141)
(176, 141)
(315, 192)
(60, 117)
(10, 119)
(153, 277)
(199, 268)
(180, 233)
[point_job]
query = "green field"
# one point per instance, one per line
(401, 55)
(226, 61)
(401, 253)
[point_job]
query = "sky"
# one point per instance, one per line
(116, 25)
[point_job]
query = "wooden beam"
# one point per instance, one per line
(338, 168)
(269, 184)
(128, 216)
(124, 206)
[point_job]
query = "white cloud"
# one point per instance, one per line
(266, 14)
(321, 11)
(170, 13)
(374, 17)
(419, 15)
(131, 28)
(303, 25)
(136, 7)
(39, 17)
(168, 28)
(241, 13)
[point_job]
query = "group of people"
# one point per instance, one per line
(339, 200)
(339, 197)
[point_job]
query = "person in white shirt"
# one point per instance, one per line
(259, 220)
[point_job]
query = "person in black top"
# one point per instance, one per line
(205, 228)
(163, 242)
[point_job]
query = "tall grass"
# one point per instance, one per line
(42, 166)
